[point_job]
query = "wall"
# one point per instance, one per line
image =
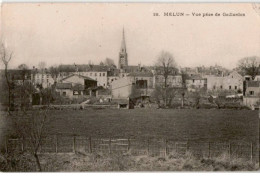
(193, 84)
(69, 93)
(121, 88)
(148, 79)
(173, 81)
(223, 83)
(250, 101)
(44, 79)
(100, 77)
(256, 91)
(110, 79)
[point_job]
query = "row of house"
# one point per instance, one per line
(74, 81)
(77, 84)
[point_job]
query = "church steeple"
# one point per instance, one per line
(123, 46)
(123, 54)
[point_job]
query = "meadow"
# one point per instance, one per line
(175, 124)
(203, 125)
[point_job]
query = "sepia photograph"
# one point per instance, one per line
(129, 87)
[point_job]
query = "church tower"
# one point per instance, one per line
(122, 54)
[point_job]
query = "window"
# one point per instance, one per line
(236, 87)
(221, 87)
(95, 74)
(99, 74)
(64, 93)
(104, 74)
(193, 81)
(251, 92)
(214, 87)
(229, 87)
(142, 84)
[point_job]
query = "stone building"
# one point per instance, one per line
(75, 86)
(196, 82)
(252, 94)
(232, 82)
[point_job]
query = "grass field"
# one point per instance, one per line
(192, 124)
(209, 125)
(105, 163)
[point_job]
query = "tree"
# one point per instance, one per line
(25, 89)
(6, 58)
(165, 66)
(197, 96)
(33, 129)
(54, 71)
(109, 62)
(42, 66)
(184, 77)
(165, 94)
(249, 66)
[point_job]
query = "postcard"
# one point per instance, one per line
(129, 87)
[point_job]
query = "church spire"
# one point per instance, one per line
(123, 45)
(122, 53)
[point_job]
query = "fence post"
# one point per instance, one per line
(251, 152)
(229, 149)
(109, 145)
(128, 146)
(22, 144)
(166, 148)
(209, 155)
(56, 143)
(148, 147)
(6, 143)
(188, 146)
(89, 145)
(74, 144)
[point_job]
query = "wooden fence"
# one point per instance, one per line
(147, 146)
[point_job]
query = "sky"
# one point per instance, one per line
(68, 33)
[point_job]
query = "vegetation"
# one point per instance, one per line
(124, 162)
(249, 66)
(177, 124)
(6, 58)
(165, 66)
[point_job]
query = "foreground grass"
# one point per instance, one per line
(183, 124)
(119, 162)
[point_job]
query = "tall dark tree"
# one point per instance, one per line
(184, 77)
(33, 128)
(54, 71)
(109, 62)
(249, 66)
(166, 66)
(6, 58)
(25, 88)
